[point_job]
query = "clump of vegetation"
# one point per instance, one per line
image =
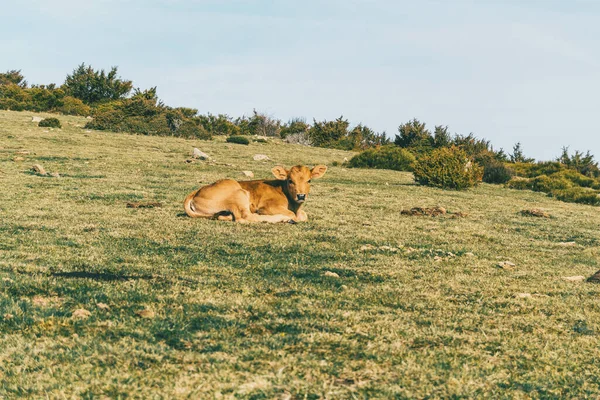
(384, 157)
(93, 86)
(498, 172)
(296, 126)
(337, 134)
(578, 195)
(50, 123)
(447, 168)
(74, 106)
(143, 113)
(238, 140)
(259, 124)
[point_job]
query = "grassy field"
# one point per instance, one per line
(183, 308)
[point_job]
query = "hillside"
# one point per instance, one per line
(178, 308)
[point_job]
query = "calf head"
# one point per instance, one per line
(297, 180)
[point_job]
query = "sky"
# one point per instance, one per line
(506, 70)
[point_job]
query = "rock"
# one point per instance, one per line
(248, 174)
(594, 278)
(145, 313)
(535, 212)
(103, 307)
(196, 153)
(577, 278)
(261, 157)
(81, 313)
(36, 119)
(89, 117)
(567, 244)
(367, 247)
(18, 159)
(55, 175)
(506, 265)
(38, 169)
(345, 159)
(469, 254)
(523, 295)
(331, 274)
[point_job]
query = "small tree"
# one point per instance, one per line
(96, 86)
(583, 163)
(13, 76)
(293, 127)
(517, 155)
(414, 134)
(328, 133)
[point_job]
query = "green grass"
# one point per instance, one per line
(246, 311)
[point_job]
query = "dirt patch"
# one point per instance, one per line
(424, 211)
(138, 204)
(535, 212)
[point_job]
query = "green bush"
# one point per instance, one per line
(547, 184)
(385, 157)
(497, 172)
(531, 170)
(238, 140)
(50, 123)
(519, 183)
(578, 195)
(73, 106)
(577, 178)
(93, 86)
(448, 168)
(144, 114)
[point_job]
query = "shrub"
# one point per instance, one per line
(96, 86)
(496, 172)
(578, 195)
(74, 106)
(519, 183)
(577, 178)
(547, 184)
(218, 124)
(144, 114)
(448, 168)
(531, 170)
(385, 157)
(259, 124)
(298, 138)
(294, 126)
(238, 140)
(50, 123)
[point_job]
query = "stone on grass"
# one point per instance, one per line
(55, 175)
(577, 278)
(567, 244)
(145, 313)
(102, 306)
(38, 169)
(248, 174)
(36, 119)
(331, 274)
(523, 295)
(261, 157)
(81, 313)
(506, 265)
(196, 153)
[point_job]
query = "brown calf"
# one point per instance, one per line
(272, 201)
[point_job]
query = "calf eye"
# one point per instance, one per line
(309, 180)
(291, 182)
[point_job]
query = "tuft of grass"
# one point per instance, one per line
(187, 308)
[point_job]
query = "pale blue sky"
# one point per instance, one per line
(506, 70)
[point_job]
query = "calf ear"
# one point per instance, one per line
(279, 172)
(318, 171)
